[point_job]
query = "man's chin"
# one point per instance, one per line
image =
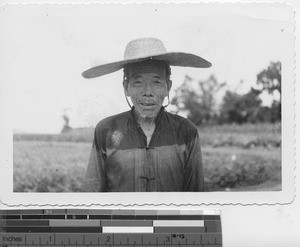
(147, 113)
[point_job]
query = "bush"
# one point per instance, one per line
(233, 168)
(245, 136)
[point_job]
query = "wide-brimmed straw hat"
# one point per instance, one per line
(148, 48)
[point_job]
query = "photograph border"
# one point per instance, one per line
(285, 196)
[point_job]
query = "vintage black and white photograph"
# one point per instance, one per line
(148, 98)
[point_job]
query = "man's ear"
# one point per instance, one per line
(169, 85)
(125, 86)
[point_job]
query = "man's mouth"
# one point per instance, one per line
(147, 104)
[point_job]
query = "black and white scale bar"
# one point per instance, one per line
(8, 225)
(105, 229)
(110, 214)
(112, 217)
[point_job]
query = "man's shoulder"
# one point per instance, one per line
(181, 121)
(113, 120)
(182, 124)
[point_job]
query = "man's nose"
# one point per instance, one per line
(148, 90)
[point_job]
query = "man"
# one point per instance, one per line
(146, 148)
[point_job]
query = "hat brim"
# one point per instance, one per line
(172, 58)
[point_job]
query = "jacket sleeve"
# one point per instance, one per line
(95, 176)
(193, 175)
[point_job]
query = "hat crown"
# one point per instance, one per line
(144, 47)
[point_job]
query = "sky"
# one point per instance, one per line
(45, 48)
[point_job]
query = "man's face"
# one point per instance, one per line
(147, 87)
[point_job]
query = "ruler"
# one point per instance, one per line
(101, 227)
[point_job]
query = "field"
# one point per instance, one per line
(236, 158)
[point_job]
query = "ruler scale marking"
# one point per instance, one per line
(90, 228)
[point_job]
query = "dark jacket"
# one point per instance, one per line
(121, 160)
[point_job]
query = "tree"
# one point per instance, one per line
(237, 108)
(199, 102)
(270, 80)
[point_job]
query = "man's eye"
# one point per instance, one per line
(136, 82)
(158, 82)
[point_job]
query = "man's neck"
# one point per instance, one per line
(146, 122)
